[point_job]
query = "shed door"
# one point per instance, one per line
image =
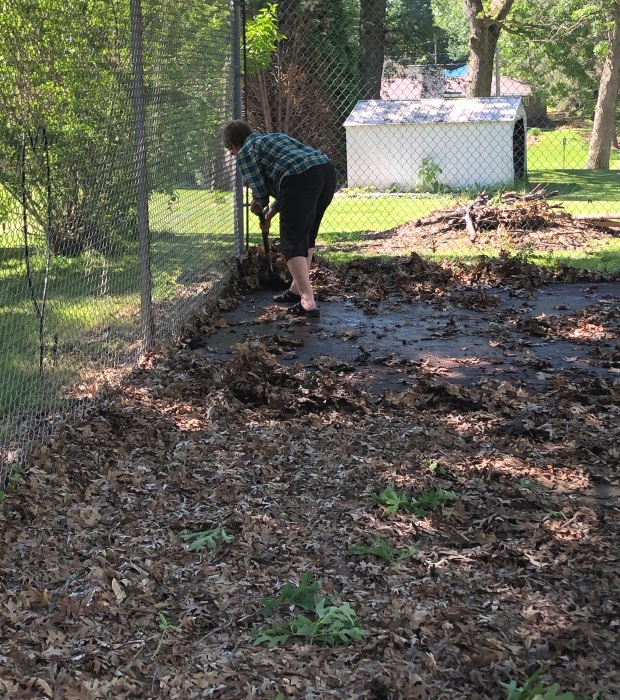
(518, 148)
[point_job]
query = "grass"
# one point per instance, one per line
(93, 300)
(557, 158)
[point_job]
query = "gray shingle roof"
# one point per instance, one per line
(481, 109)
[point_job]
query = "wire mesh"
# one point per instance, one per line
(431, 171)
(70, 277)
(421, 167)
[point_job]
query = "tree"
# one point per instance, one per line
(66, 67)
(411, 33)
(262, 37)
(312, 81)
(559, 47)
(450, 17)
(372, 47)
(485, 27)
(603, 131)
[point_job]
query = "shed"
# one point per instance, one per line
(474, 142)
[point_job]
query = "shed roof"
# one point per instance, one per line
(481, 109)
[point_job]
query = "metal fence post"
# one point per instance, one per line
(237, 76)
(144, 260)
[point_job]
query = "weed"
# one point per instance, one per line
(209, 537)
(383, 550)
(441, 472)
(530, 484)
(428, 175)
(303, 596)
(14, 479)
(533, 690)
(334, 625)
(165, 629)
(392, 499)
(422, 506)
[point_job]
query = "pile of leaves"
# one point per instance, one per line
(241, 528)
(509, 221)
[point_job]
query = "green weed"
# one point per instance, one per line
(165, 628)
(14, 479)
(530, 484)
(324, 622)
(422, 505)
(441, 472)
(533, 690)
(383, 550)
(208, 537)
(334, 625)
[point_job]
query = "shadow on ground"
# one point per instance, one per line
(535, 335)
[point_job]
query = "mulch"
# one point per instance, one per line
(102, 596)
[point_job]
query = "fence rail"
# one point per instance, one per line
(117, 200)
(119, 205)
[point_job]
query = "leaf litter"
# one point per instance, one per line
(104, 596)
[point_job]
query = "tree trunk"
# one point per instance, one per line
(372, 46)
(484, 34)
(605, 116)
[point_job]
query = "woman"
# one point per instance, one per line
(302, 181)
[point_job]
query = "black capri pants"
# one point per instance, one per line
(302, 201)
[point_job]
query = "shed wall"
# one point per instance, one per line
(475, 154)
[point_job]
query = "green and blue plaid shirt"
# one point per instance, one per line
(265, 159)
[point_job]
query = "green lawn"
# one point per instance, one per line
(93, 300)
(556, 158)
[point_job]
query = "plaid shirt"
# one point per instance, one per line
(265, 159)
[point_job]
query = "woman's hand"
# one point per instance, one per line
(256, 208)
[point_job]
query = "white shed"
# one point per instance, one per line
(465, 142)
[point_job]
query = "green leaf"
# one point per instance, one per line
(207, 537)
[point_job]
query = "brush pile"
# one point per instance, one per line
(511, 212)
(510, 222)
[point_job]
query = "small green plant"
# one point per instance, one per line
(334, 625)
(533, 690)
(428, 176)
(13, 481)
(424, 504)
(208, 537)
(547, 514)
(441, 472)
(165, 629)
(303, 596)
(383, 550)
(534, 131)
(527, 253)
(530, 484)
(393, 499)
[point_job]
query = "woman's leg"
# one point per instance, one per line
(298, 267)
(294, 288)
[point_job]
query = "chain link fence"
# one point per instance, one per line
(119, 207)
(117, 200)
(421, 167)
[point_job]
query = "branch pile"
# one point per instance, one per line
(505, 222)
(513, 212)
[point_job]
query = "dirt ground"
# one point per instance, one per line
(430, 471)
